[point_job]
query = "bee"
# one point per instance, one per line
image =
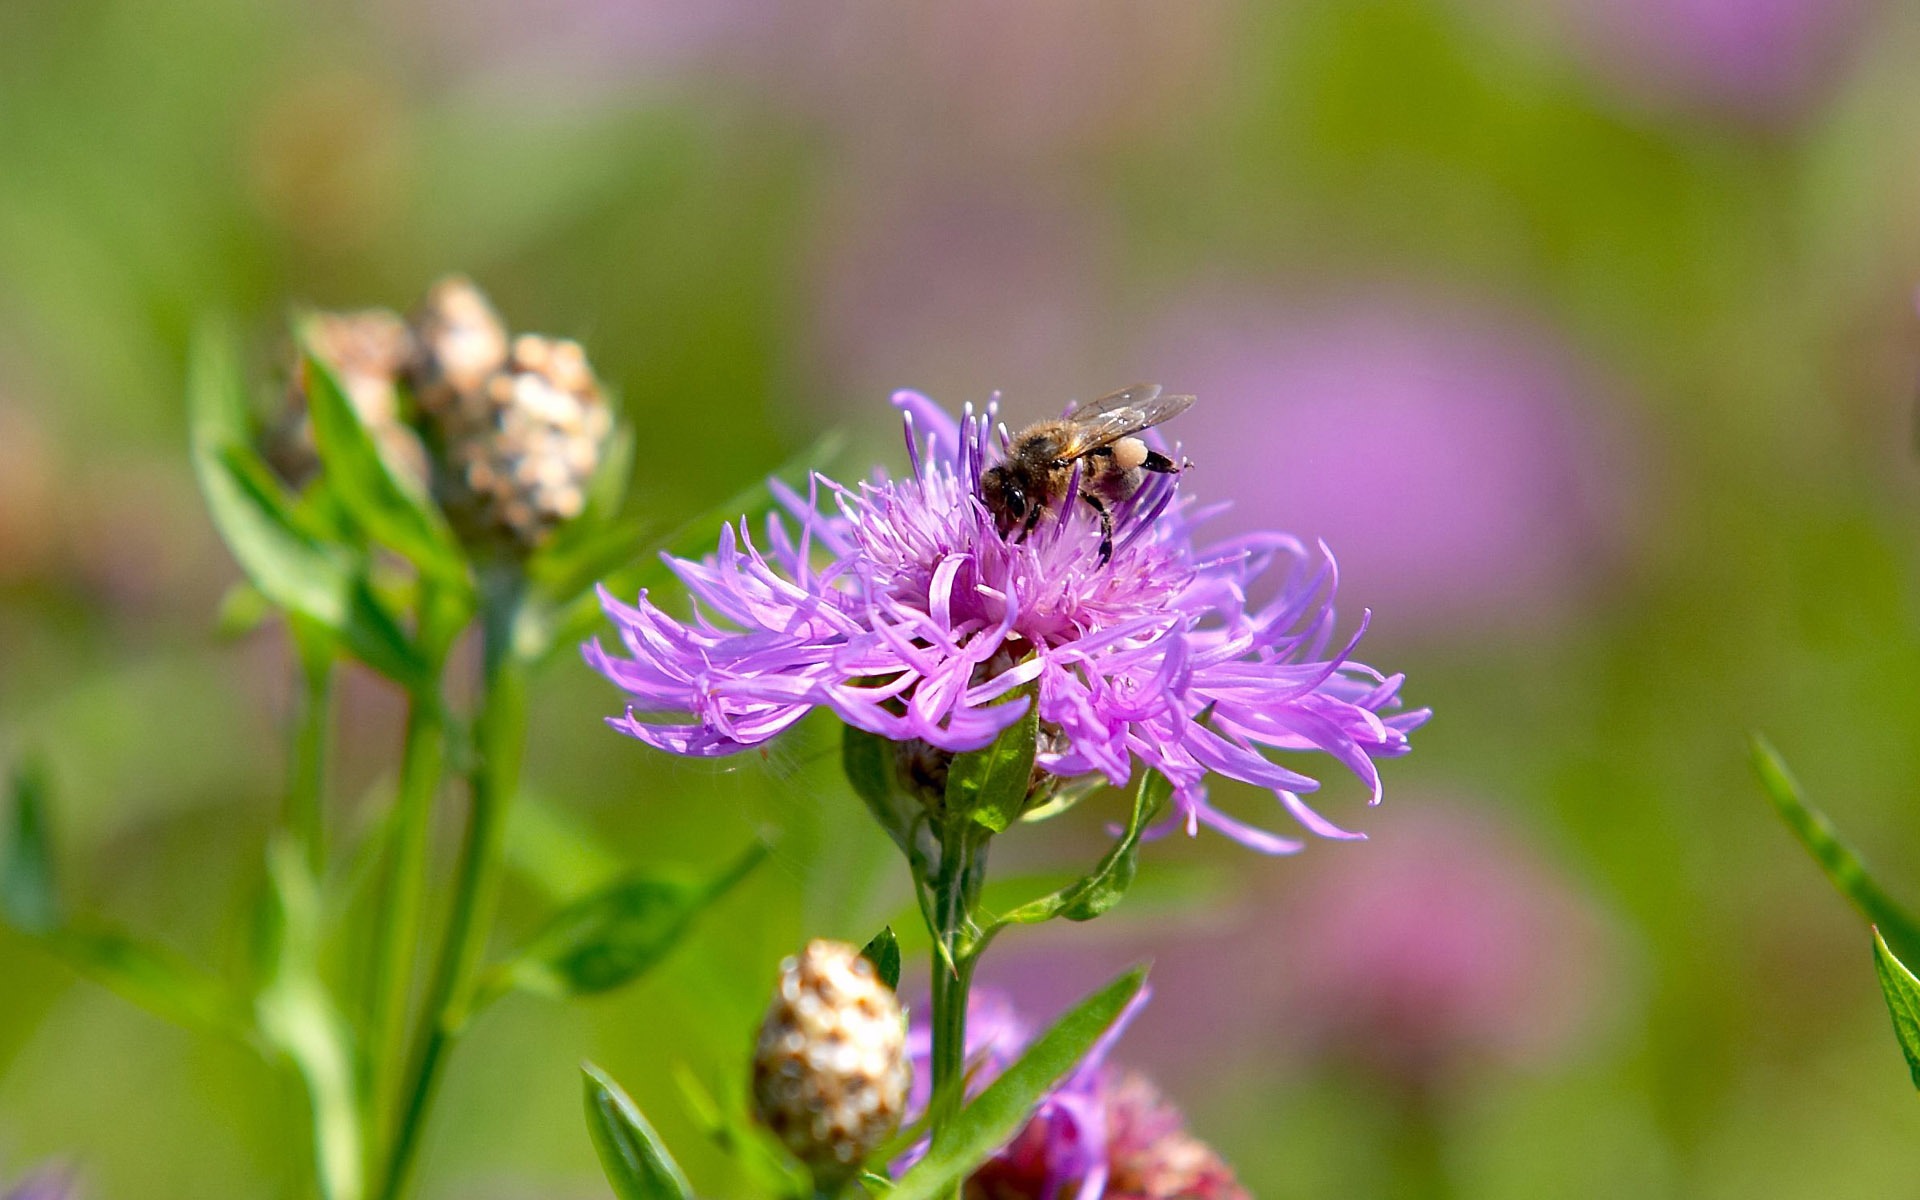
(1098, 436)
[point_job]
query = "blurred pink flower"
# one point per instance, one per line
(1444, 944)
(979, 86)
(1452, 457)
(576, 48)
(1766, 61)
(956, 292)
(48, 1183)
(1447, 943)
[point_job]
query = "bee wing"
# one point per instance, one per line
(1106, 420)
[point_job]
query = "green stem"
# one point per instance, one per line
(312, 733)
(398, 933)
(956, 891)
(499, 733)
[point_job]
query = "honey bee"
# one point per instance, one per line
(1098, 436)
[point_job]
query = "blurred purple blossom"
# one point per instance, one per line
(902, 609)
(956, 286)
(582, 47)
(1450, 943)
(1445, 450)
(1759, 60)
(997, 84)
(1102, 1134)
(48, 1183)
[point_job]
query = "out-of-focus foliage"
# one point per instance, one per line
(1598, 362)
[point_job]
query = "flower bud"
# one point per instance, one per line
(368, 353)
(830, 1073)
(520, 452)
(462, 341)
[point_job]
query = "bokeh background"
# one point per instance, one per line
(1583, 330)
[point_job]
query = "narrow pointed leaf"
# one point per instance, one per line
(277, 543)
(991, 785)
(255, 518)
(884, 953)
(151, 977)
(1902, 991)
(29, 896)
(997, 1114)
(393, 511)
(610, 937)
(636, 1161)
(1107, 883)
(1842, 866)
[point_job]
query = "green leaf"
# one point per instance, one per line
(243, 609)
(29, 896)
(988, 1123)
(1902, 991)
(1107, 884)
(884, 953)
(254, 517)
(298, 1018)
(151, 977)
(636, 1162)
(992, 785)
(1842, 866)
(867, 759)
(276, 544)
(393, 510)
(611, 936)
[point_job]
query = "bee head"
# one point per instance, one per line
(1005, 496)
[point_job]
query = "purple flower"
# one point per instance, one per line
(1765, 61)
(1102, 1134)
(903, 609)
(51, 1183)
(1451, 450)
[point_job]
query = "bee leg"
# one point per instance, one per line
(1033, 518)
(1106, 526)
(1160, 464)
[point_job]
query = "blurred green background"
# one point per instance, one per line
(1583, 330)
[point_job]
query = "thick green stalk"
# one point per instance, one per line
(499, 734)
(956, 892)
(398, 931)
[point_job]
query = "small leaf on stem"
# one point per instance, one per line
(1902, 991)
(280, 547)
(991, 785)
(29, 897)
(1107, 883)
(636, 1161)
(884, 953)
(997, 1114)
(393, 510)
(610, 937)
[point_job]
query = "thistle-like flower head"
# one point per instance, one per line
(899, 605)
(830, 1071)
